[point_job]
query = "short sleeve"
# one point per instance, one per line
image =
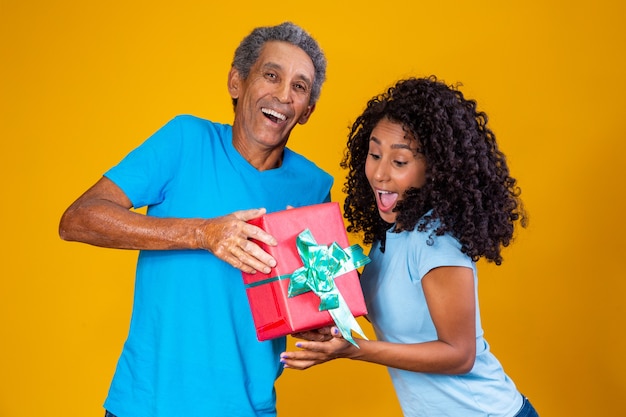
(439, 251)
(145, 172)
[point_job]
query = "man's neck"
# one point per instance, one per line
(261, 159)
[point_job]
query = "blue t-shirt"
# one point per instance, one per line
(192, 349)
(399, 313)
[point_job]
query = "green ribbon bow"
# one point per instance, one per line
(321, 264)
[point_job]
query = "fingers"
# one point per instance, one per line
(334, 331)
(254, 232)
(232, 239)
(245, 261)
(303, 359)
(315, 353)
(246, 215)
(251, 254)
(318, 335)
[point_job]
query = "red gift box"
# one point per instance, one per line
(277, 314)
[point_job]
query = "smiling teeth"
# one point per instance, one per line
(274, 113)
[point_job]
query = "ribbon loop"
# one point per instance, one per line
(321, 264)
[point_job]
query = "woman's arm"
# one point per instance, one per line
(450, 296)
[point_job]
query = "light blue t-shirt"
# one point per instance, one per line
(192, 349)
(398, 311)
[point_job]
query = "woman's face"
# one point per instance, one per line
(393, 165)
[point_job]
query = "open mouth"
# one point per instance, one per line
(386, 199)
(273, 115)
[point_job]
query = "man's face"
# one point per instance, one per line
(274, 97)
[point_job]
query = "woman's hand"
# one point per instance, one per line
(317, 335)
(315, 353)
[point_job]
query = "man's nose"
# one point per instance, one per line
(283, 92)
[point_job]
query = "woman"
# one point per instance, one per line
(428, 186)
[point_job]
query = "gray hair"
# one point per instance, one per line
(250, 47)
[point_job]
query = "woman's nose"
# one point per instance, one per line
(381, 173)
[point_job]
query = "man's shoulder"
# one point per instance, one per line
(301, 162)
(193, 129)
(191, 121)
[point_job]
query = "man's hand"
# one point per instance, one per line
(228, 238)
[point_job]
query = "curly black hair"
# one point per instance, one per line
(468, 191)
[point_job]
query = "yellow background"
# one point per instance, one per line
(82, 83)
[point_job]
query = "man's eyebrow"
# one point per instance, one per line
(278, 67)
(272, 65)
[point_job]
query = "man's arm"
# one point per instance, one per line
(102, 217)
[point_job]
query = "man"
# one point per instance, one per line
(192, 348)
